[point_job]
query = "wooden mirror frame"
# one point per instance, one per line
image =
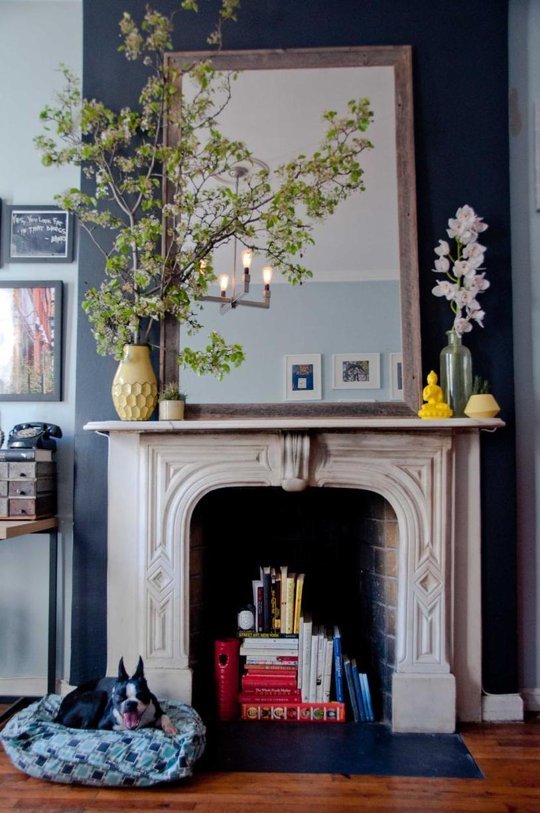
(400, 59)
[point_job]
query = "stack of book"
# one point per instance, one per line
(277, 598)
(358, 691)
(270, 671)
(274, 677)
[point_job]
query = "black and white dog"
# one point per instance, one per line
(119, 704)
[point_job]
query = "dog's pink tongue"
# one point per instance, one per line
(131, 719)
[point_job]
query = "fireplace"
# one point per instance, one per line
(425, 472)
(344, 540)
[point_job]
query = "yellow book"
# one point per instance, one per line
(289, 618)
(298, 603)
(283, 599)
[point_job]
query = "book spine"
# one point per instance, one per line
(338, 667)
(258, 603)
(270, 695)
(294, 712)
(267, 613)
(252, 660)
(364, 682)
(283, 599)
(298, 602)
(312, 692)
(320, 666)
(350, 687)
(275, 608)
(266, 636)
(328, 668)
(300, 652)
(306, 657)
(278, 682)
(289, 618)
(270, 642)
(358, 691)
(270, 668)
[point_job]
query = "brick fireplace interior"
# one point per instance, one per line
(345, 541)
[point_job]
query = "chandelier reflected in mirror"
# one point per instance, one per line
(234, 288)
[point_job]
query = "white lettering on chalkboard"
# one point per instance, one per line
(39, 234)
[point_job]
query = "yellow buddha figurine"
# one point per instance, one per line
(435, 407)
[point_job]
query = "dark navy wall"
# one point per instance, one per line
(461, 131)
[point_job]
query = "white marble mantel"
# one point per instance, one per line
(429, 471)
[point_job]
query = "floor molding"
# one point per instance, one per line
(531, 699)
(502, 707)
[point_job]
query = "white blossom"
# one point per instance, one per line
(442, 249)
(462, 325)
(464, 281)
(442, 265)
(463, 269)
(444, 288)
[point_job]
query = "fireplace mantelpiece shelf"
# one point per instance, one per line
(251, 424)
(428, 470)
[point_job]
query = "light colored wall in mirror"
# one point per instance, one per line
(324, 318)
(34, 38)
(279, 115)
(524, 42)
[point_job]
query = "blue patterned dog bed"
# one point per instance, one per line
(47, 750)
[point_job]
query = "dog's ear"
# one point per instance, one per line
(122, 674)
(139, 672)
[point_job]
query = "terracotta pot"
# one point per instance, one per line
(482, 406)
(134, 387)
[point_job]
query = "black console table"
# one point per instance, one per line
(8, 530)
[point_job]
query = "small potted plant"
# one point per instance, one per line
(481, 403)
(171, 403)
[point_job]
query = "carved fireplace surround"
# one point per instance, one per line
(427, 470)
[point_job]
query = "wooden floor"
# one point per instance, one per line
(508, 754)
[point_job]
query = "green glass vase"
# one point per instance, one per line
(456, 374)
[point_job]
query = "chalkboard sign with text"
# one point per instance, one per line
(37, 234)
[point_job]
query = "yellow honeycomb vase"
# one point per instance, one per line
(134, 387)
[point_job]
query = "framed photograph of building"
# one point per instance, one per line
(303, 377)
(355, 371)
(31, 341)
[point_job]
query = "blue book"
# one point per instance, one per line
(338, 667)
(358, 690)
(364, 682)
(347, 668)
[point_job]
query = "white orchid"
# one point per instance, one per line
(444, 288)
(464, 281)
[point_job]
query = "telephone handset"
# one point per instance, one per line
(34, 435)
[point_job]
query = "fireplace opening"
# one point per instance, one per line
(345, 540)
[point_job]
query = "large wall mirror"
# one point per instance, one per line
(355, 326)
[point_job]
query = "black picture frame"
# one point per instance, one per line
(31, 340)
(37, 234)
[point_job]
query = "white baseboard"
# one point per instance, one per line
(23, 687)
(502, 707)
(531, 699)
(30, 687)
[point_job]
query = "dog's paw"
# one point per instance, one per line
(167, 726)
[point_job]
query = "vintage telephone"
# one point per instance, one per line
(34, 436)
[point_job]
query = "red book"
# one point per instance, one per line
(271, 696)
(294, 712)
(271, 670)
(257, 682)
